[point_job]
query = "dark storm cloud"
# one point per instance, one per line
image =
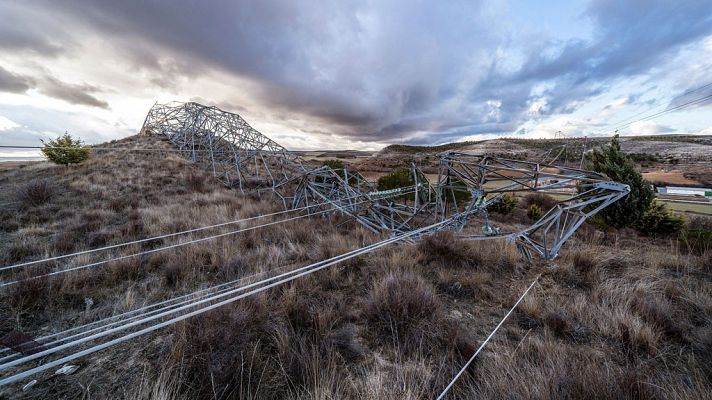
(14, 83)
(52, 87)
(389, 71)
(25, 29)
(333, 61)
(71, 93)
(630, 38)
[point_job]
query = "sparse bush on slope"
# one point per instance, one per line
(505, 205)
(407, 308)
(65, 150)
(36, 193)
(659, 220)
(534, 212)
(543, 200)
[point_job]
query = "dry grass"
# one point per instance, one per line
(617, 316)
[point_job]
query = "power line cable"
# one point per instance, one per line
(303, 271)
(119, 258)
(482, 346)
(114, 246)
(676, 97)
(658, 114)
(214, 288)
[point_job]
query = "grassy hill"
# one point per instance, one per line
(617, 316)
(411, 149)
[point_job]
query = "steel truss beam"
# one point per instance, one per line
(243, 158)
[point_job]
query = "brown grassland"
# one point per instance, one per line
(616, 316)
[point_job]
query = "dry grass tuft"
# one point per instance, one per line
(36, 193)
(445, 250)
(406, 308)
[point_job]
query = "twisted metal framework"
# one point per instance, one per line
(583, 194)
(466, 186)
(236, 153)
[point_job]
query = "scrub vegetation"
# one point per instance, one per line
(618, 315)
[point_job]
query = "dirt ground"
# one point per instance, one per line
(670, 177)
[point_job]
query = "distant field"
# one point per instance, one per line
(689, 207)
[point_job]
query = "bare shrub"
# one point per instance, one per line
(581, 270)
(443, 247)
(124, 202)
(543, 200)
(224, 349)
(134, 227)
(637, 337)
(127, 269)
(20, 250)
(467, 285)
(36, 193)
(30, 293)
(172, 274)
(345, 341)
(660, 314)
(234, 267)
(65, 241)
(196, 182)
(406, 307)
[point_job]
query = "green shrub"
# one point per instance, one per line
(505, 205)
(394, 180)
(699, 240)
(336, 165)
(543, 200)
(65, 150)
(613, 162)
(534, 212)
(659, 220)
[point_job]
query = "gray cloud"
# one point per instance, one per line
(28, 29)
(631, 38)
(383, 71)
(14, 83)
(53, 87)
(71, 93)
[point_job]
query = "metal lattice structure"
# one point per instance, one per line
(236, 153)
(583, 194)
(466, 186)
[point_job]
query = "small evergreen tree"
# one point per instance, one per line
(505, 205)
(394, 180)
(659, 220)
(65, 150)
(336, 165)
(400, 179)
(534, 212)
(614, 163)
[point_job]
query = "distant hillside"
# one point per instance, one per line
(632, 144)
(403, 148)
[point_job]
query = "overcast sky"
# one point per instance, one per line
(347, 74)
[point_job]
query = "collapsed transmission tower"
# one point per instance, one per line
(467, 185)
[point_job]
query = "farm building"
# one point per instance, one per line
(685, 191)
